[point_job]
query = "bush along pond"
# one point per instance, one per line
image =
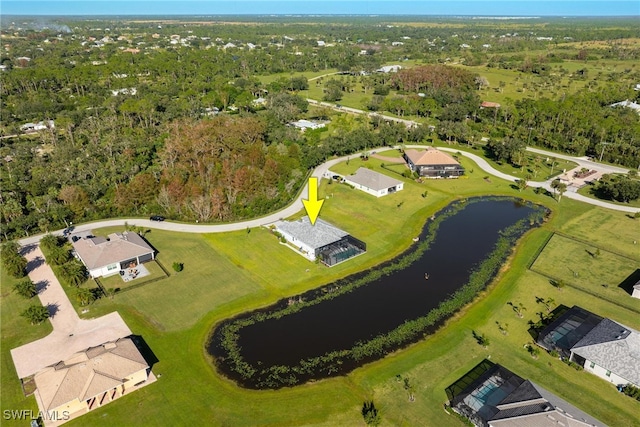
(334, 329)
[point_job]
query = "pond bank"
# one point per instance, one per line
(333, 329)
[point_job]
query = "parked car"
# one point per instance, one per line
(157, 218)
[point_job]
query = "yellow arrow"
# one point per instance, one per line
(313, 205)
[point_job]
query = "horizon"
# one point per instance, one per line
(500, 9)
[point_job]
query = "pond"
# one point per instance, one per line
(334, 329)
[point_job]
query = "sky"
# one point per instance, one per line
(348, 7)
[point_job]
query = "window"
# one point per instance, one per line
(592, 365)
(608, 373)
(112, 267)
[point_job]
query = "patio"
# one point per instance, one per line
(134, 272)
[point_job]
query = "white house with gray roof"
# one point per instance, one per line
(374, 183)
(602, 346)
(107, 256)
(322, 241)
(610, 351)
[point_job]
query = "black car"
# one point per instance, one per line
(157, 218)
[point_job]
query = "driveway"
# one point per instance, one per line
(70, 333)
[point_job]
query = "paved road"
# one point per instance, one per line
(322, 171)
(583, 162)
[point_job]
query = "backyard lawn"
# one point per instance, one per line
(229, 273)
(588, 267)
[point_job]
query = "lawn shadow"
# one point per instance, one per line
(628, 283)
(148, 354)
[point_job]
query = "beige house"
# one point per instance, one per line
(433, 163)
(105, 257)
(90, 379)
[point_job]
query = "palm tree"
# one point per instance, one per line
(36, 314)
(73, 273)
(49, 242)
(25, 288)
(14, 263)
(85, 296)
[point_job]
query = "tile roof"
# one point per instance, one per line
(315, 236)
(372, 179)
(614, 347)
(89, 373)
(430, 156)
(97, 252)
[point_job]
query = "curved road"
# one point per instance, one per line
(319, 173)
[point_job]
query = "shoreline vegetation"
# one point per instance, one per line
(224, 346)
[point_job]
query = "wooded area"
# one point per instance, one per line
(189, 120)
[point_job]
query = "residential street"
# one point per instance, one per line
(319, 172)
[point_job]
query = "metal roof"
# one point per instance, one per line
(315, 236)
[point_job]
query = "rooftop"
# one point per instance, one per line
(88, 373)
(628, 104)
(497, 396)
(614, 347)
(98, 252)
(315, 236)
(372, 179)
(430, 156)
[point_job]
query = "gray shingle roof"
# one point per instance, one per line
(372, 179)
(98, 252)
(613, 347)
(315, 236)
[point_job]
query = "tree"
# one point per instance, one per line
(73, 273)
(25, 288)
(85, 296)
(481, 339)
(49, 242)
(518, 308)
(371, 414)
(558, 186)
(14, 263)
(36, 314)
(410, 389)
(521, 184)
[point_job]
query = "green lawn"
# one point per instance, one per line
(230, 273)
(588, 267)
(608, 229)
(587, 190)
(209, 280)
(15, 331)
(116, 282)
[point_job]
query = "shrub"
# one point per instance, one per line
(631, 391)
(25, 288)
(370, 414)
(178, 266)
(36, 314)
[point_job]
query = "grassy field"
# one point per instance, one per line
(588, 267)
(229, 273)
